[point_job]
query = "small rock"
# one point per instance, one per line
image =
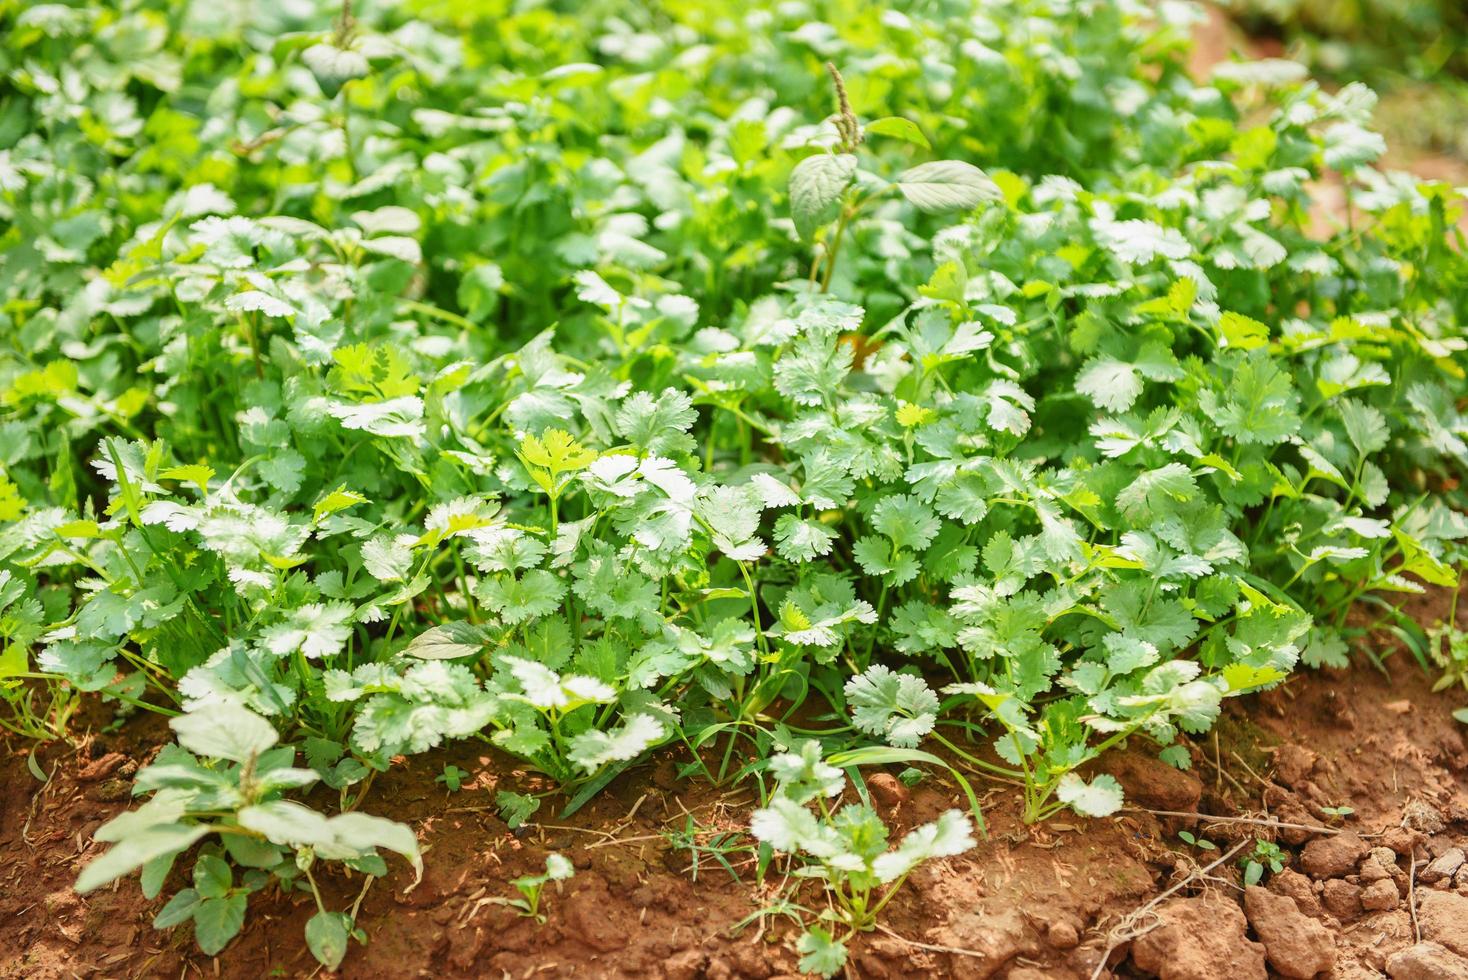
(1443, 917)
(101, 768)
(1417, 815)
(887, 790)
(1380, 895)
(1402, 841)
(1333, 856)
(585, 915)
(1426, 961)
(1452, 751)
(1444, 866)
(1201, 938)
(1063, 935)
(1341, 899)
(1290, 882)
(1296, 946)
(1150, 782)
(1373, 871)
(1382, 863)
(1294, 764)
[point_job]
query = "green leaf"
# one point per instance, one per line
(515, 809)
(947, 185)
(820, 953)
(218, 920)
(1100, 798)
(327, 934)
(334, 66)
(447, 641)
(899, 708)
(899, 128)
(212, 877)
(224, 731)
(817, 184)
(136, 850)
(180, 908)
(1242, 332)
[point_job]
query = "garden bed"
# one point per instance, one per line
(508, 424)
(1030, 902)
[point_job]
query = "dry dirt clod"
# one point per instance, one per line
(1334, 856)
(1380, 896)
(101, 768)
(1295, 945)
(1443, 917)
(589, 915)
(1382, 863)
(1149, 782)
(1200, 939)
(1402, 841)
(1341, 899)
(1444, 866)
(1426, 961)
(1293, 764)
(1418, 815)
(993, 939)
(1062, 935)
(1290, 882)
(887, 790)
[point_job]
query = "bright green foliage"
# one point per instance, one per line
(225, 778)
(558, 868)
(455, 372)
(846, 847)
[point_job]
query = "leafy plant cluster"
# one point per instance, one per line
(589, 379)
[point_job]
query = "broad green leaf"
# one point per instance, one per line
(817, 185)
(899, 128)
(224, 731)
(327, 935)
(1101, 797)
(136, 850)
(947, 185)
(218, 920)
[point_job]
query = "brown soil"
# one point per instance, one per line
(1366, 896)
(1030, 902)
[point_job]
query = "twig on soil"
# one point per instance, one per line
(930, 947)
(1127, 929)
(1266, 783)
(1225, 774)
(1412, 899)
(357, 905)
(1217, 763)
(578, 830)
(1256, 821)
(618, 841)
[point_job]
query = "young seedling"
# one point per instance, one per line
(226, 778)
(1266, 857)
(515, 809)
(846, 848)
(452, 777)
(707, 844)
(1192, 840)
(558, 868)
